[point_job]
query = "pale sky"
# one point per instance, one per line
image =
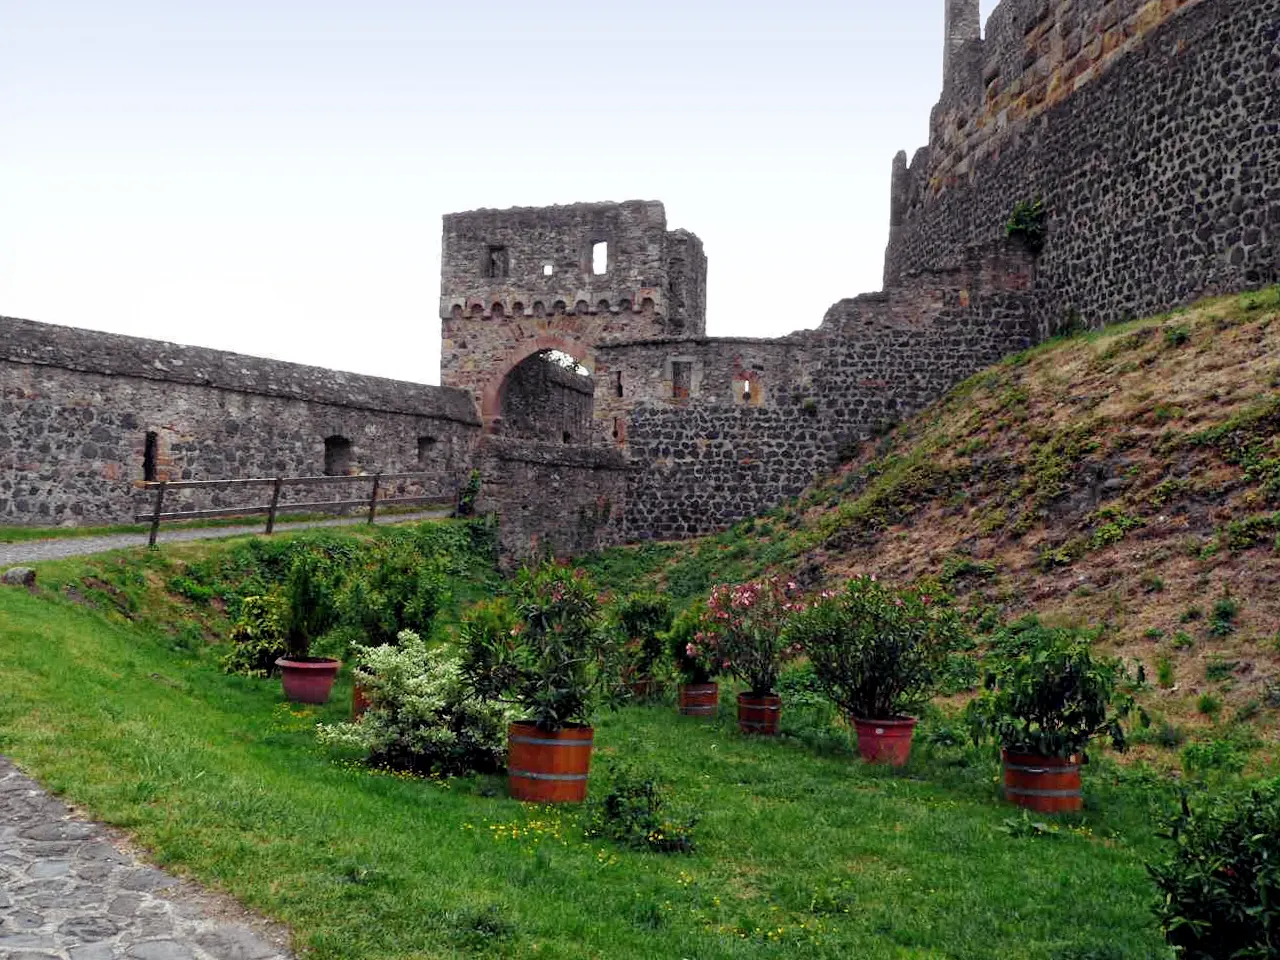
(268, 177)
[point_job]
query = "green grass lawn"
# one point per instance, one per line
(803, 852)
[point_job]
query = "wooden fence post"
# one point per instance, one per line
(155, 517)
(275, 502)
(373, 499)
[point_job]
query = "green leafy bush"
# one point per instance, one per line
(402, 590)
(1027, 223)
(692, 648)
(258, 636)
(311, 596)
(1220, 756)
(1046, 693)
(876, 651)
(641, 620)
(634, 811)
(423, 718)
(1220, 885)
(543, 650)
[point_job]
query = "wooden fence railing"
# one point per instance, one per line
(372, 502)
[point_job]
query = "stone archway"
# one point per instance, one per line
(518, 372)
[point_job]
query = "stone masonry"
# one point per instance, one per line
(1149, 128)
(69, 891)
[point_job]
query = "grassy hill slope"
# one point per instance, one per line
(1128, 478)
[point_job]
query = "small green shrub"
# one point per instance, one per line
(1110, 526)
(1176, 336)
(1209, 705)
(1251, 531)
(635, 811)
(422, 717)
(1222, 620)
(1027, 223)
(1220, 884)
(311, 595)
(1183, 640)
(1153, 633)
(402, 590)
(258, 636)
(641, 621)
(1191, 615)
(1212, 757)
(1164, 673)
(692, 648)
(1048, 694)
(1150, 583)
(1219, 668)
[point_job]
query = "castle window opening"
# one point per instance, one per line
(568, 437)
(681, 379)
(600, 258)
(746, 390)
(150, 452)
(337, 456)
(426, 447)
(497, 263)
(548, 269)
(617, 383)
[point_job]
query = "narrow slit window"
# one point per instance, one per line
(681, 379)
(548, 269)
(618, 383)
(150, 453)
(600, 258)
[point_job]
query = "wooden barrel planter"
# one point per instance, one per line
(885, 741)
(759, 715)
(546, 767)
(309, 679)
(699, 699)
(1043, 784)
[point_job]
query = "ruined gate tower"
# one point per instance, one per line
(517, 283)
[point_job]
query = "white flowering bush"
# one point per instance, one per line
(422, 717)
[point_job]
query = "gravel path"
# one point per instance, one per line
(33, 551)
(70, 890)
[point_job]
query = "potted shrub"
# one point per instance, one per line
(747, 620)
(423, 717)
(401, 591)
(1047, 696)
(543, 651)
(641, 619)
(875, 653)
(694, 655)
(309, 598)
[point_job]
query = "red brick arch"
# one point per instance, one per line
(491, 396)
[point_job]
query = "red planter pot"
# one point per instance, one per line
(759, 715)
(1043, 784)
(547, 767)
(885, 741)
(308, 680)
(699, 699)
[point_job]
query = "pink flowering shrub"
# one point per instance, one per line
(694, 651)
(746, 622)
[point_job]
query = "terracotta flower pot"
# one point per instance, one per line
(359, 701)
(1043, 784)
(544, 767)
(699, 699)
(308, 680)
(885, 741)
(759, 715)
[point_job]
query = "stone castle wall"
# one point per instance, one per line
(76, 408)
(764, 417)
(1150, 128)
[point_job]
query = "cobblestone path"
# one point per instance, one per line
(69, 891)
(33, 551)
